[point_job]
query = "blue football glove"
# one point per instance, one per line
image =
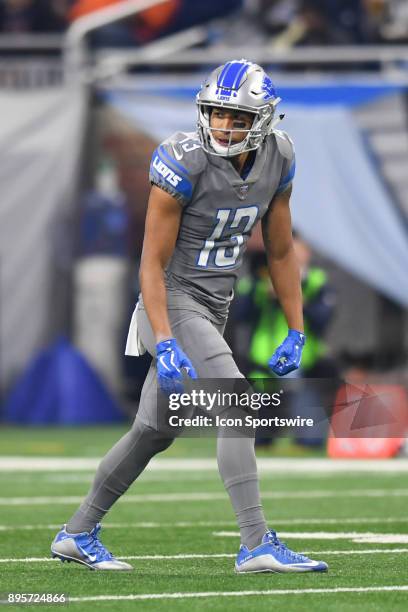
(287, 356)
(170, 361)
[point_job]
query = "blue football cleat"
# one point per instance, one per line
(274, 556)
(85, 548)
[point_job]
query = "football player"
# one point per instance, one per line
(209, 189)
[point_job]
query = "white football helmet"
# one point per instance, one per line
(237, 85)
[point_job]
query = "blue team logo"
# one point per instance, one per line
(168, 174)
(268, 88)
(225, 94)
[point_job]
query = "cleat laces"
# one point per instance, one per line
(284, 550)
(96, 547)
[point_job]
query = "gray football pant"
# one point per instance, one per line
(202, 341)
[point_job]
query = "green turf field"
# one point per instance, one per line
(177, 529)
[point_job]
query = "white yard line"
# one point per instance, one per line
(209, 524)
(48, 464)
(275, 465)
(263, 593)
(372, 551)
(354, 536)
(383, 538)
(367, 551)
(206, 496)
(239, 593)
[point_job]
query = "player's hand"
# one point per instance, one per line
(287, 356)
(171, 360)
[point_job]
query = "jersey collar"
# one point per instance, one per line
(233, 175)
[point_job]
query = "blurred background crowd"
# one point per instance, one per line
(75, 155)
(272, 22)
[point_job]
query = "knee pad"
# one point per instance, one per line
(154, 439)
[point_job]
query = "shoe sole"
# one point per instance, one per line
(276, 571)
(271, 571)
(56, 555)
(263, 571)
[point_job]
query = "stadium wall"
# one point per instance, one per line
(40, 142)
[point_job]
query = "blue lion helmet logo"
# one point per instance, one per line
(269, 88)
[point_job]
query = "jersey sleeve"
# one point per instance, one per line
(287, 150)
(176, 166)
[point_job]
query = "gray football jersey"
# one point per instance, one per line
(220, 209)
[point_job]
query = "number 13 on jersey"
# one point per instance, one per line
(223, 258)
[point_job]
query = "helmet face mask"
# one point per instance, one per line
(237, 86)
(237, 138)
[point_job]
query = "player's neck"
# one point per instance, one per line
(238, 161)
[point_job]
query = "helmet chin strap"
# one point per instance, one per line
(275, 122)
